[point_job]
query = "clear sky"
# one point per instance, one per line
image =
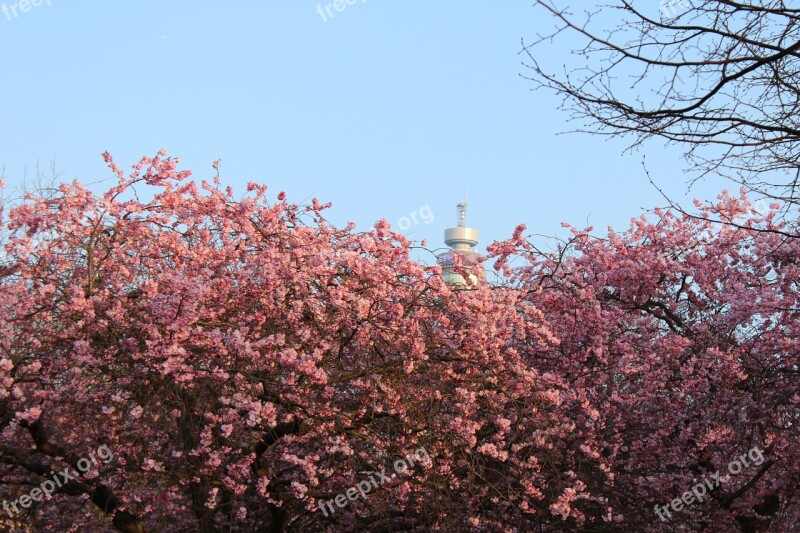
(383, 108)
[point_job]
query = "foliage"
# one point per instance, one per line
(244, 361)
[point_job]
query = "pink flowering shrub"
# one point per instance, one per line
(244, 360)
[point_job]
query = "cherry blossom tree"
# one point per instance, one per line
(679, 338)
(247, 363)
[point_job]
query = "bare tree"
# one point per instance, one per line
(719, 78)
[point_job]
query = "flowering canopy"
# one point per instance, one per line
(247, 362)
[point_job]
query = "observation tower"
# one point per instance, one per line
(461, 240)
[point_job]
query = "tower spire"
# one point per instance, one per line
(462, 211)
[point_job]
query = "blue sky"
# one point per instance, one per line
(383, 108)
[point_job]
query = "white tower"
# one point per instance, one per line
(461, 240)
